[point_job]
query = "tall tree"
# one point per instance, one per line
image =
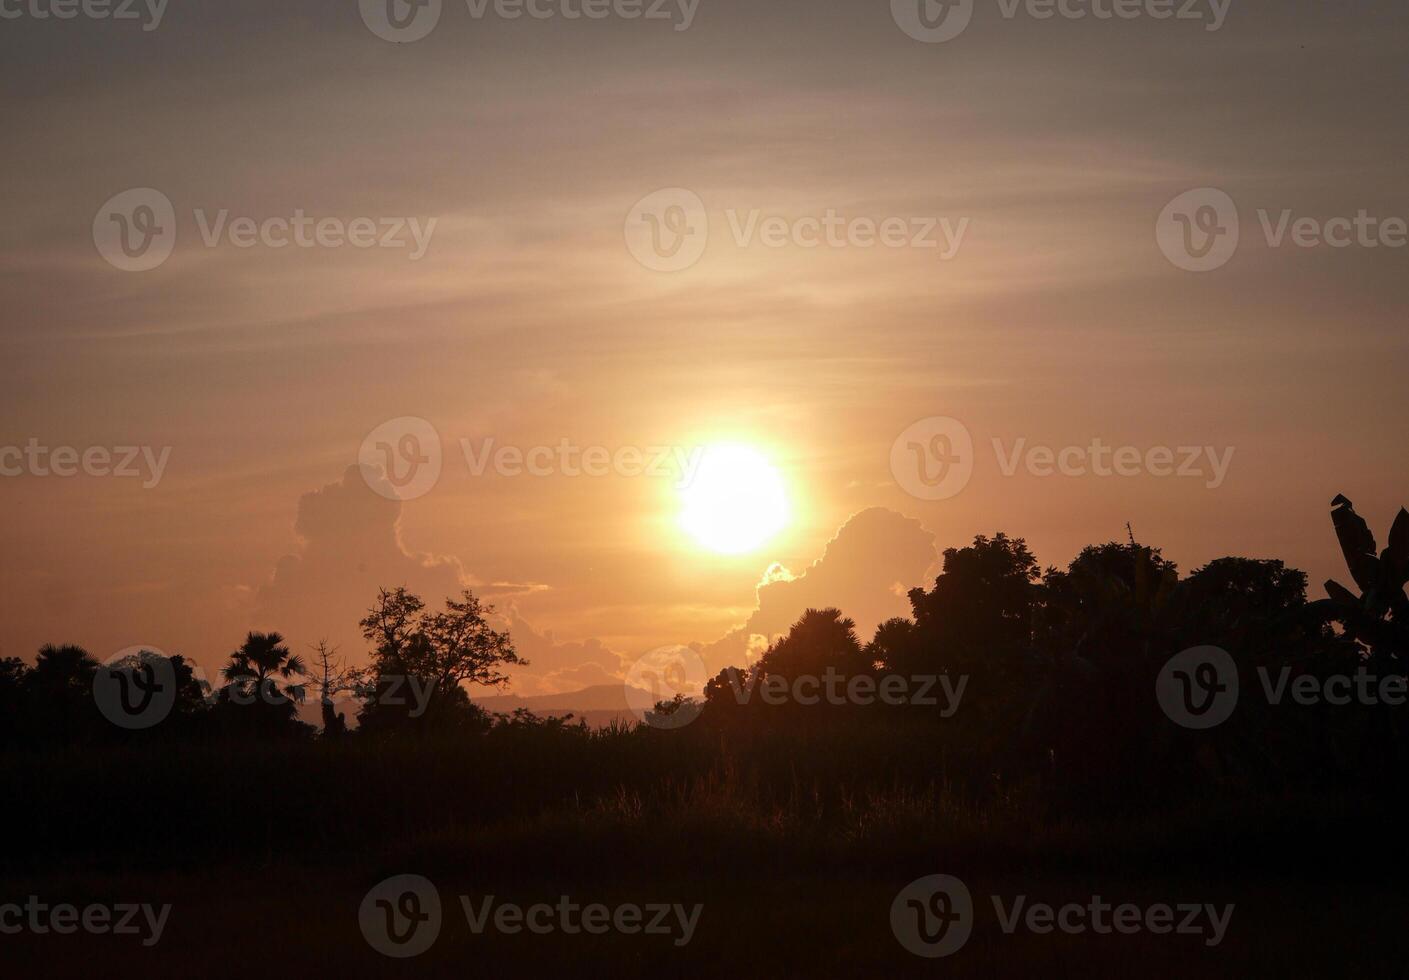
(422, 660)
(261, 659)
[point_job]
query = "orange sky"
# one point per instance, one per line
(1057, 321)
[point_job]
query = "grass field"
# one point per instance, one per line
(266, 860)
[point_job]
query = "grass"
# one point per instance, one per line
(796, 845)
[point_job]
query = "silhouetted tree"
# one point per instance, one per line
(60, 693)
(980, 609)
(813, 662)
(253, 698)
(193, 696)
(422, 660)
(820, 639)
(1379, 616)
(14, 705)
(1059, 669)
(332, 679)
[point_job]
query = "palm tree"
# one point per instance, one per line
(260, 660)
(60, 669)
(60, 689)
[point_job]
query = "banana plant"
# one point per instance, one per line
(1379, 616)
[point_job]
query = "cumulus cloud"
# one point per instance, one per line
(349, 547)
(865, 571)
(555, 667)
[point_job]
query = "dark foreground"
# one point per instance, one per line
(292, 922)
(789, 882)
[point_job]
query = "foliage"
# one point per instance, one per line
(1058, 667)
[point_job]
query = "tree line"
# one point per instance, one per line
(1057, 669)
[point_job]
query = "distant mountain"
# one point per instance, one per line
(598, 705)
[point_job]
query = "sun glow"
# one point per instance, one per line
(735, 501)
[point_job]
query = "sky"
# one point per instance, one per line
(1033, 176)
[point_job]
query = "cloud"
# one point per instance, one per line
(555, 667)
(575, 679)
(349, 547)
(876, 556)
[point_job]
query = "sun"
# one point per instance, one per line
(734, 501)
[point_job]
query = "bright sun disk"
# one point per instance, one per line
(735, 502)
